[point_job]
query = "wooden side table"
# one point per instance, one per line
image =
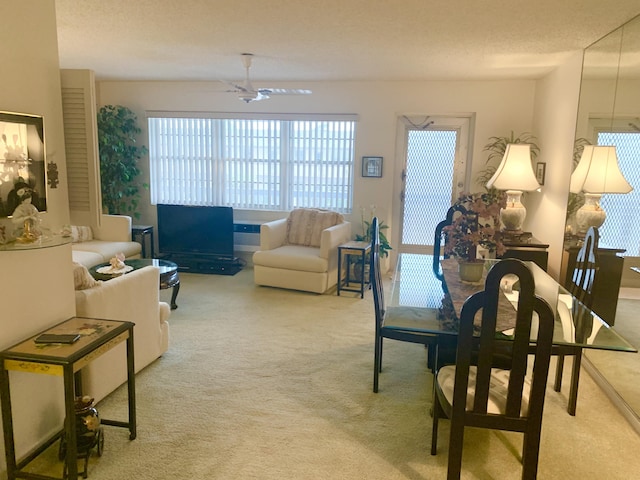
(64, 360)
(142, 232)
(352, 253)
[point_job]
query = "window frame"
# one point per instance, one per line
(329, 180)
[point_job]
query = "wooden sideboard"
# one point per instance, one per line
(607, 287)
(530, 249)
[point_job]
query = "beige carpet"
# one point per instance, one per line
(261, 383)
(622, 370)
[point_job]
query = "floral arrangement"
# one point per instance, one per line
(476, 223)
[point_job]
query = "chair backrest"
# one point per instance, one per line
(586, 270)
(375, 273)
(486, 348)
(439, 241)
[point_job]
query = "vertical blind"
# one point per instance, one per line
(252, 163)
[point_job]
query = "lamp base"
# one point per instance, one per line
(513, 215)
(590, 214)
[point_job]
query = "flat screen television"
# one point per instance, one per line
(190, 230)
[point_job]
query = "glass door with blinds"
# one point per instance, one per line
(435, 152)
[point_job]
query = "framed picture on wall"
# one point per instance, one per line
(540, 171)
(22, 162)
(372, 166)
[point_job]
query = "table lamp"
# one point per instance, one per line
(515, 175)
(597, 173)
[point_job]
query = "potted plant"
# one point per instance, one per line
(367, 236)
(119, 156)
(476, 223)
(496, 148)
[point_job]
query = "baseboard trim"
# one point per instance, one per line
(623, 407)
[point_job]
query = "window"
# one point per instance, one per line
(261, 163)
(621, 229)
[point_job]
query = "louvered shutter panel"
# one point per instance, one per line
(81, 145)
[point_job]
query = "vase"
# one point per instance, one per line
(87, 425)
(470, 271)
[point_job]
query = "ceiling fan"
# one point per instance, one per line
(247, 93)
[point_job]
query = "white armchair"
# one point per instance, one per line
(300, 252)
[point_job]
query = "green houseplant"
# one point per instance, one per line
(366, 235)
(496, 148)
(119, 157)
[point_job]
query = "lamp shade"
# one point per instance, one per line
(598, 172)
(515, 171)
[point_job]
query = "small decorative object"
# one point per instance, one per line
(89, 433)
(117, 262)
(52, 175)
(87, 423)
(25, 215)
(476, 223)
(372, 166)
(116, 266)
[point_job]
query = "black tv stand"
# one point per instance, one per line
(203, 263)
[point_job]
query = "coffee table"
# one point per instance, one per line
(168, 274)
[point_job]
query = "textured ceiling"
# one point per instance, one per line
(304, 40)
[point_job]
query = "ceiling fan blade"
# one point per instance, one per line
(285, 91)
(247, 93)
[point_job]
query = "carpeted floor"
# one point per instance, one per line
(262, 383)
(621, 371)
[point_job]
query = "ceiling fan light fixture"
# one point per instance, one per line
(247, 93)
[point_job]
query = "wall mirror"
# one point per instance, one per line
(609, 114)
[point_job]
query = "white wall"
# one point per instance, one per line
(555, 124)
(500, 107)
(36, 285)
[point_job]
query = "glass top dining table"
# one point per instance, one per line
(415, 285)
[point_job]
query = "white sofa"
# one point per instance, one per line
(112, 237)
(132, 297)
(300, 252)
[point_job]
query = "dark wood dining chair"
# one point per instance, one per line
(581, 287)
(473, 393)
(405, 324)
(439, 242)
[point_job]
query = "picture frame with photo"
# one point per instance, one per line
(23, 166)
(372, 167)
(541, 168)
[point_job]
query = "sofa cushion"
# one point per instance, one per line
(108, 250)
(82, 279)
(81, 233)
(88, 259)
(305, 225)
(292, 257)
